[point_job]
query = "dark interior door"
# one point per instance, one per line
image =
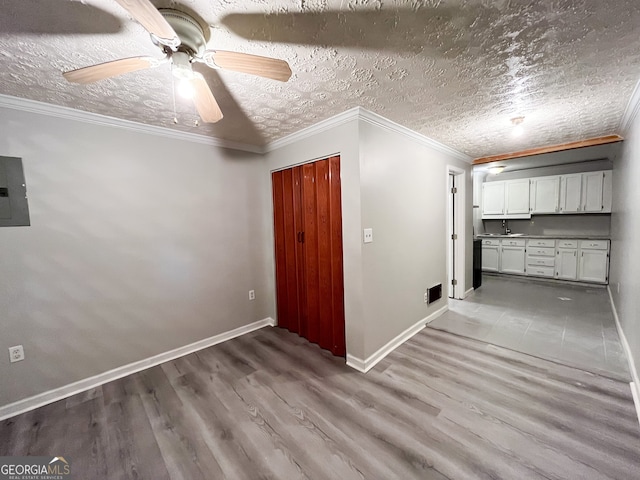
(308, 239)
(289, 262)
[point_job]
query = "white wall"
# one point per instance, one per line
(404, 193)
(343, 140)
(138, 244)
(397, 186)
(624, 276)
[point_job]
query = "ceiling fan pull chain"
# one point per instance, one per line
(173, 95)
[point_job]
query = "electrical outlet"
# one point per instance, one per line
(426, 297)
(368, 235)
(16, 353)
(252, 294)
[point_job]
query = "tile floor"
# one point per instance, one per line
(571, 324)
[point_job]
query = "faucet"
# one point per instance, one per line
(505, 225)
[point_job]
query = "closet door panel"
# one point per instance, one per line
(323, 226)
(310, 221)
(308, 247)
(337, 272)
(298, 278)
(286, 223)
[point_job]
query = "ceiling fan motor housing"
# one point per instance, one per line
(191, 34)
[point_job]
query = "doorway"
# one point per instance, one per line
(456, 258)
(452, 234)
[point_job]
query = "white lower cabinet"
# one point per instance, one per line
(594, 261)
(565, 259)
(512, 256)
(540, 257)
(567, 263)
(491, 255)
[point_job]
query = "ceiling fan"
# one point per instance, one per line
(183, 41)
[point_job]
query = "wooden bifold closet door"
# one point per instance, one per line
(308, 248)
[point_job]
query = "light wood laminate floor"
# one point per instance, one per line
(270, 405)
(568, 324)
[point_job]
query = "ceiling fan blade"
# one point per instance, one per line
(150, 18)
(204, 100)
(110, 69)
(246, 63)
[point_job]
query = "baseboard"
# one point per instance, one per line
(635, 381)
(31, 403)
(468, 292)
(635, 391)
(356, 363)
(365, 365)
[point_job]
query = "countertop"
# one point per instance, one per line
(559, 237)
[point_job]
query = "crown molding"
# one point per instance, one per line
(359, 113)
(33, 106)
(630, 113)
(314, 129)
(380, 121)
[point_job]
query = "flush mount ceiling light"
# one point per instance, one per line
(496, 170)
(517, 126)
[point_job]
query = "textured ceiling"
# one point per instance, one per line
(453, 70)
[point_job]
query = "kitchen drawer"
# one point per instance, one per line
(567, 244)
(491, 241)
(542, 251)
(541, 242)
(594, 244)
(541, 261)
(510, 242)
(540, 271)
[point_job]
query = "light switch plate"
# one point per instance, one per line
(368, 235)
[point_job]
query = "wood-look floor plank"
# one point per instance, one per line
(517, 387)
(133, 448)
(270, 405)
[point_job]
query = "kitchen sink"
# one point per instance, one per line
(502, 234)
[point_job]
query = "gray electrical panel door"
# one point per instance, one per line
(14, 210)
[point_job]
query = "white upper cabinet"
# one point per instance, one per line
(588, 192)
(506, 199)
(592, 183)
(596, 192)
(493, 198)
(570, 193)
(517, 196)
(545, 194)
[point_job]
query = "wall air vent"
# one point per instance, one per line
(434, 293)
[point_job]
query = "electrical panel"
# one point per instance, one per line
(14, 209)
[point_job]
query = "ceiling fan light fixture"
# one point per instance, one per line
(181, 66)
(185, 88)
